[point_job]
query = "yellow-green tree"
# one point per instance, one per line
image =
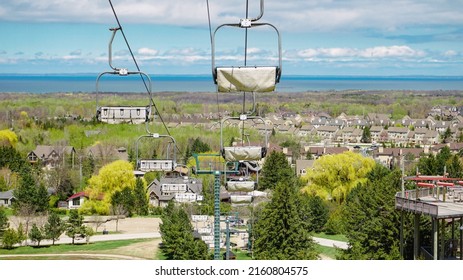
(334, 176)
(8, 137)
(112, 178)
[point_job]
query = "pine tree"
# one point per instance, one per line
(276, 169)
(36, 234)
(279, 232)
(4, 224)
(54, 227)
(177, 236)
(141, 200)
(75, 225)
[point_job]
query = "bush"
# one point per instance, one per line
(10, 237)
(155, 210)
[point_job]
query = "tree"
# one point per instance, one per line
(366, 135)
(54, 227)
(313, 211)
(4, 224)
(371, 219)
(75, 225)
(275, 169)
(10, 237)
(141, 199)
(111, 178)
(177, 236)
(123, 201)
(334, 176)
(36, 234)
(279, 232)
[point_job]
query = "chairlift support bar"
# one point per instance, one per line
(248, 23)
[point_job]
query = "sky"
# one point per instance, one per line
(319, 37)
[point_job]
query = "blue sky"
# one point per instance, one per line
(320, 37)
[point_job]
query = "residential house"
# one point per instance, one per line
(6, 198)
(378, 119)
(302, 165)
(431, 137)
(317, 152)
(419, 136)
(398, 134)
(349, 135)
(76, 200)
(179, 189)
(107, 153)
(375, 132)
(305, 130)
(51, 156)
(327, 132)
(318, 122)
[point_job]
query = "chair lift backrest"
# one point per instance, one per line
(247, 78)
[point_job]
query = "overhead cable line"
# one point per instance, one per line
(138, 68)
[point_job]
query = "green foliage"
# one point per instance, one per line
(434, 165)
(366, 135)
(54, 227)
(123, 202)
(112, 178)
(12, 159)
(372, 221)
(8, 137)
(177, 236)
(280, 232)
(75, 225)
(30, 197)
(314, 212)
(141, 199)
(275, 169)
(10, 238)
(36, 234)
(4, 224)
(334, 176)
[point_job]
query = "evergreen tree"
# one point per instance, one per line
(279, 232)
(124, 200)
(366, 135)
(177, 236)
(276, 169)
(313, 212)
(198, 146)
(141, 199)
(54, 227)
(75, 225)
(10, 237)
(4, 224)
(371, 220)
(36, 234)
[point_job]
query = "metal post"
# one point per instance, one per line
(402, 212)
(227, 254)
(217, 215)
(435, 244)
(416, 243)
(442, 240)
(461, 238)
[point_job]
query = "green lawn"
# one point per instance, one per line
(97, 247)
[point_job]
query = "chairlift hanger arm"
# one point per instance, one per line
(214, 72)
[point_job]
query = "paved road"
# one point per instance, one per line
(331, 243)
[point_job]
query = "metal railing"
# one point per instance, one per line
(409, 201)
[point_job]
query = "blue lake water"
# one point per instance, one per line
(204, 83)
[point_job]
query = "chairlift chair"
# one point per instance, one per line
(243, 152)
(245, 78)
(167, 164)
(123, 113)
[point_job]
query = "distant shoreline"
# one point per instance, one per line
(86, 83)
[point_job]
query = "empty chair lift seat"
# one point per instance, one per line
(121, 114)
(248, 153)
(240, 199)
(240, 186)
(148, 165)
(247, 79)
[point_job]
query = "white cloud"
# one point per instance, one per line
(147, 52)
(289, 15)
